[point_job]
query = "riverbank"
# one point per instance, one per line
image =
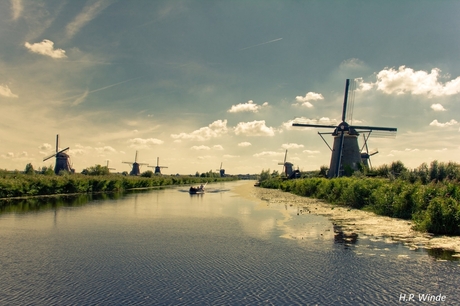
(353, 221)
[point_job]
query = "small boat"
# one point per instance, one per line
(197, 190)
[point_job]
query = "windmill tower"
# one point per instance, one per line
(221, 171)
(287, 166)
(345, 151)
(62, 159)
(136, 170)
(157, 167)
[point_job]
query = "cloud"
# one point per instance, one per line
(230, 156)
(439, 124)
(269, 153)
(80, 99)
(323, 121)
(311, 152)
(46, 47)
(254, 128)
(16, 8)
(352, 63)
(437, 107)
(140, 143)
(45, 147)
(309, 96)
(200, 148)
(246, 107)
(108, 149)
(90, 11)
(407, 80)
(215, 129)
(244, 144)
(291, 146)
(218, 147)
(6, 92)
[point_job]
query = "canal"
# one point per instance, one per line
(166, 247)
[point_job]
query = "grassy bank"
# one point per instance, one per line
(21, 185)
(433, 205)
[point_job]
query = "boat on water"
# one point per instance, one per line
(197, 190)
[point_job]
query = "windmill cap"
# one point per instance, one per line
(343, 126)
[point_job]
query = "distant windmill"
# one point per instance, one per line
(221, 171)
(345, 151)
(157, 167)
(108, 166)
(62, 159)
(366, 156)
(136, 166)
(287, 166)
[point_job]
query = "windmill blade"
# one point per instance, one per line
(285, 156)
(374, 128)
(135, 158)
(373, 153)
(314, 125)
(339, 156)
(351, 101)
(52, 155)
(345, 100)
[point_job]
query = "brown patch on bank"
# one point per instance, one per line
(352, 221)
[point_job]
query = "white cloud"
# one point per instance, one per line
(244, 144)
(46, 47)
(269, 153)
(16, 8)
(310, 96)
(90, 11)
(352, 63)
(254, 128)
(108, 149)
(218, 147)
(439, 124)
(6, 92)
(246, 107)
(45, 147)
(200, 148)
(140, 143)
(291, 146)
(407, 80)
(230, 156)
(81, 98)
(311, 152)
(437, 107)
(215, 129)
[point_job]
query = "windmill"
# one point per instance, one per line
(136, 166)
(221, 171)
(157, 167)
(287, 166)
(365, 155)
(62, 159)
(345, 151)
(108, 166)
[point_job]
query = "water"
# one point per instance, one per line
(165, 247)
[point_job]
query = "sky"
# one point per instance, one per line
(199, 83)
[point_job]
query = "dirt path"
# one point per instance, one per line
(352, 221)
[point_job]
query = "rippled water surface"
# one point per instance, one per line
(165, 247)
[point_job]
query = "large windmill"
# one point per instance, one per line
(62, 159)
(157, 167)
(345, 151)
(136, 166)
(221, 171)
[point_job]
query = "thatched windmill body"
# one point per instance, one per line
(221, 171)
(136, 170)
(62, 159)
(345, 150)
(157, 167)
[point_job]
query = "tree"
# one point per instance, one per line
(96, 170)
(29, 169)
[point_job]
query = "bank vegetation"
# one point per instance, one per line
(428, 195)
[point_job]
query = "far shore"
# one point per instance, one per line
(353, 221)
